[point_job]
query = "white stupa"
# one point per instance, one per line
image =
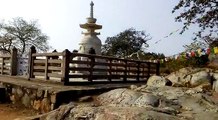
(90, 39)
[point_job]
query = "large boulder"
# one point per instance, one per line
(190, 77)
(119, 97)
(147, 99)
(215, 81)
(126, 97)
(147, 102)
(215, 86)
(201, 77)
(180, 78)
(70, 112)
(158, 81)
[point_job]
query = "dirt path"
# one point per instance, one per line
(11, 112)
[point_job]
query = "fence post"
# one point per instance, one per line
(13, 70)
(46, 68)
(2, 66)
(149, 69)
(65, 67)
(30, 62)
(110, 71)
(91, 69)
(125, 71)
(158, 68)
(138, 71)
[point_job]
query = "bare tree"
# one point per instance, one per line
(22, 35)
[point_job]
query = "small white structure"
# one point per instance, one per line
(22, 68)
(90, 39)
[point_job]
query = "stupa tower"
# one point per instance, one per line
(90, 39)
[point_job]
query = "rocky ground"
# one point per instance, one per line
(188, 94)
(15, 111)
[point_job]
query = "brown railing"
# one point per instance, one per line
(8, 63)
(68, 66)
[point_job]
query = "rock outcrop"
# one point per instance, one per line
(126, 97)
(189, 98)
(158, 81)
(190, 77)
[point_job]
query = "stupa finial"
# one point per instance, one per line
(91, 10)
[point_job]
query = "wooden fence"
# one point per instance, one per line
(69, 66)
(8, 63)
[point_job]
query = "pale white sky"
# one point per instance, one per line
(60, 20)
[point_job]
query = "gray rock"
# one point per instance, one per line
(39, 93)
(164, 103)
(215, 83)
(86, 99)
(215, 86)
(173, 77)
(126, 98)
(201, 77)
(168, 92)
(215, 76)
(188, 77)
(19, 92)
(26, 100)
(106, 113)
(119, 97)
(158, 81)
(133, 87)
(186, 70)
(147, 99)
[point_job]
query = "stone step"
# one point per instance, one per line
(2, 94)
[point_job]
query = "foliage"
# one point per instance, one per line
(153, 56)
(204, 13)
(176, 64)
(22, 35)
(125, 43)
(141, 55)
(214, 44)
(195, 45)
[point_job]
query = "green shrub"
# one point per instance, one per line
(176, 64)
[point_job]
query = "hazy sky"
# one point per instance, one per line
(60, 20)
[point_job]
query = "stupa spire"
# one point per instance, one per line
(91, 25)
(91, 9)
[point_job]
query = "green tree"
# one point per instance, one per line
(125, 43)
(195, 45)
(203, 13)
(22, 35)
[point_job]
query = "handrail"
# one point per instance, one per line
(66, 65)
(9, 63)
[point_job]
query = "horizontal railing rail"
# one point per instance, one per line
(8, 63)
(68, 66)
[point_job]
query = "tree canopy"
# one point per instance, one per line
(125, 43)
(22, 35)
(195, 45)
(203, 13)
